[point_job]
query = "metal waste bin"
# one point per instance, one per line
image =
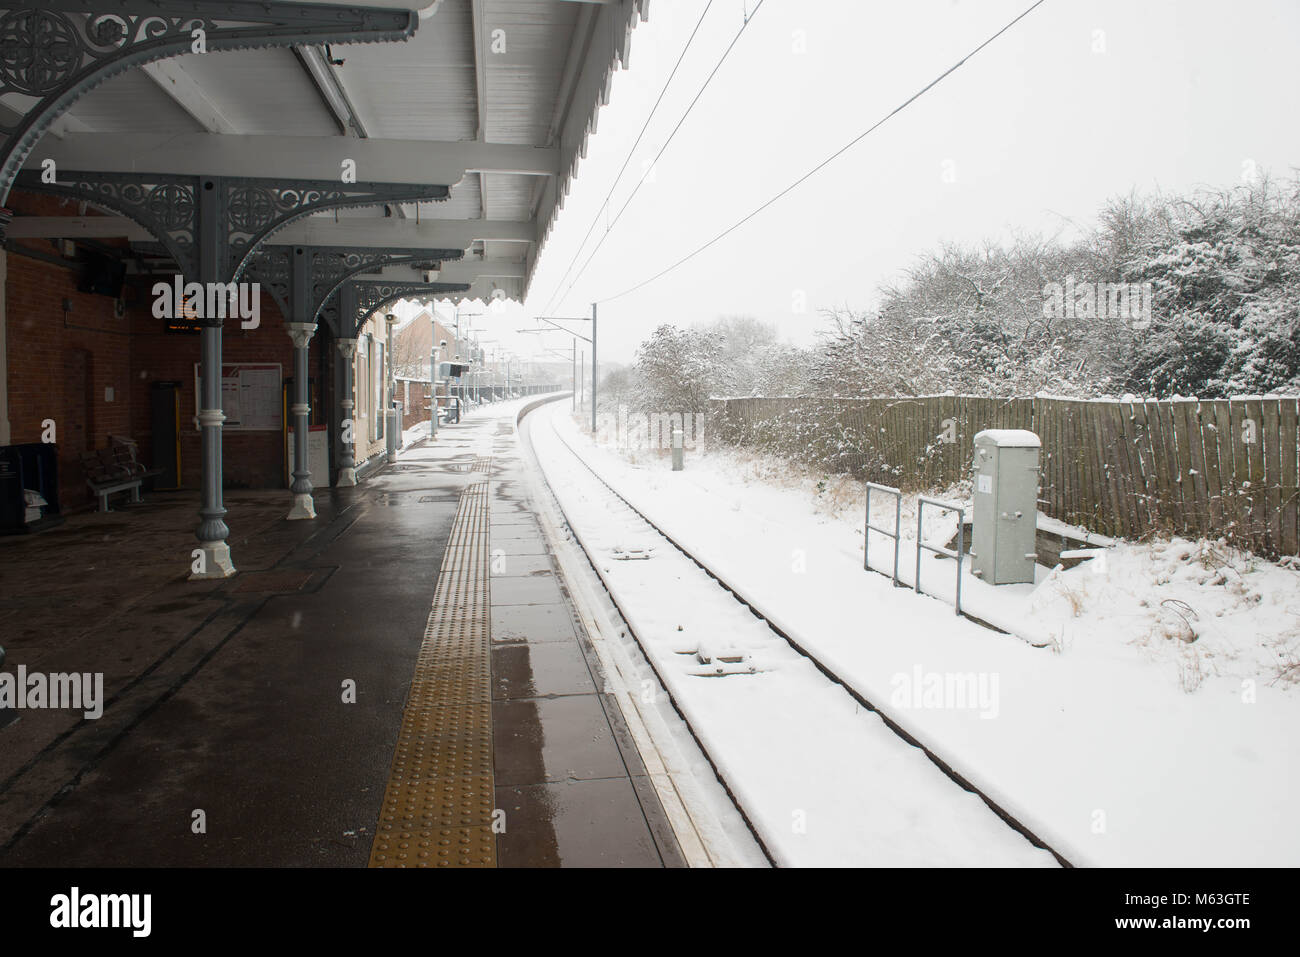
(31, 466)
(1006, 506)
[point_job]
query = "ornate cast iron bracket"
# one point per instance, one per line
(211, 225)
(302, 279)
(360, 297)
(56, 50)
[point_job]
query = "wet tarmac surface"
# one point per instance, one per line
(567, 774)
(229, 737)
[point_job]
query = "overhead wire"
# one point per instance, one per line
(604, 206)
(609, 226)
(829, 159)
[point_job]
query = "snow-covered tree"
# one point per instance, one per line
(754, 361)
(1219, 275)
(969, 320)
(678, 369)
(1225, 267)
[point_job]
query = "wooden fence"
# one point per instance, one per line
(1218, 468)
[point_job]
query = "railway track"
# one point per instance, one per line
(653, 540)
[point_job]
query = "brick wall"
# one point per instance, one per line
(412, 344)
(72, 367)
(61, 366)
(249, 459)
(415, 410)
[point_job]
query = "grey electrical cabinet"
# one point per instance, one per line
(1006, 506)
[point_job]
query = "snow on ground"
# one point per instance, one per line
(1200, 609)
(414, 434)
(471, 410)
(1119, 740)
(824, 781)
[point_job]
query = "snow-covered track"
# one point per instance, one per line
(737, 595)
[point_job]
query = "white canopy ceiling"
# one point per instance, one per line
(492, 97)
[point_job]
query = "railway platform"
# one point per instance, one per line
(402, 682)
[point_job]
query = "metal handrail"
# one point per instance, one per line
(921, 502)
(868, 528)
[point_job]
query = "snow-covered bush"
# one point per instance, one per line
(1222, 269)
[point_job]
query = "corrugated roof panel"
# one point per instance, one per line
(463, 203)
(504, 251)
(425, 88)
(525, 62)
(131, 102)
(611, 44)
(510, 196)
(421, 89)
(261, 91)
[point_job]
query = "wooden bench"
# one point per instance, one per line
(116, 469)
(126, 455)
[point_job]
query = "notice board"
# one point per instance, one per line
(250, 396)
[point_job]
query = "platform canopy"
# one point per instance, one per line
(493, 98)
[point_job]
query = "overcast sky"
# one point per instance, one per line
(1078, 102)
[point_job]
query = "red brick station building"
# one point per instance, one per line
(341, 158)
(91, 363)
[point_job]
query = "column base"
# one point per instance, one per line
(216, 562)
(303, 507)
(347, 478)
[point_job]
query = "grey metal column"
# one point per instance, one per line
(392, 421)
(593, 368)
(433, 388)
(214, 561)
(347, 458)
(212, 530)
(303, 506)
(433, 372)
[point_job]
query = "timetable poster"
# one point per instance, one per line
(250, 396)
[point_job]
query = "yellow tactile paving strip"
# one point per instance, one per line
(437, 809)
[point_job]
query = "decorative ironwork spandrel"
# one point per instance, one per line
(54, 51)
